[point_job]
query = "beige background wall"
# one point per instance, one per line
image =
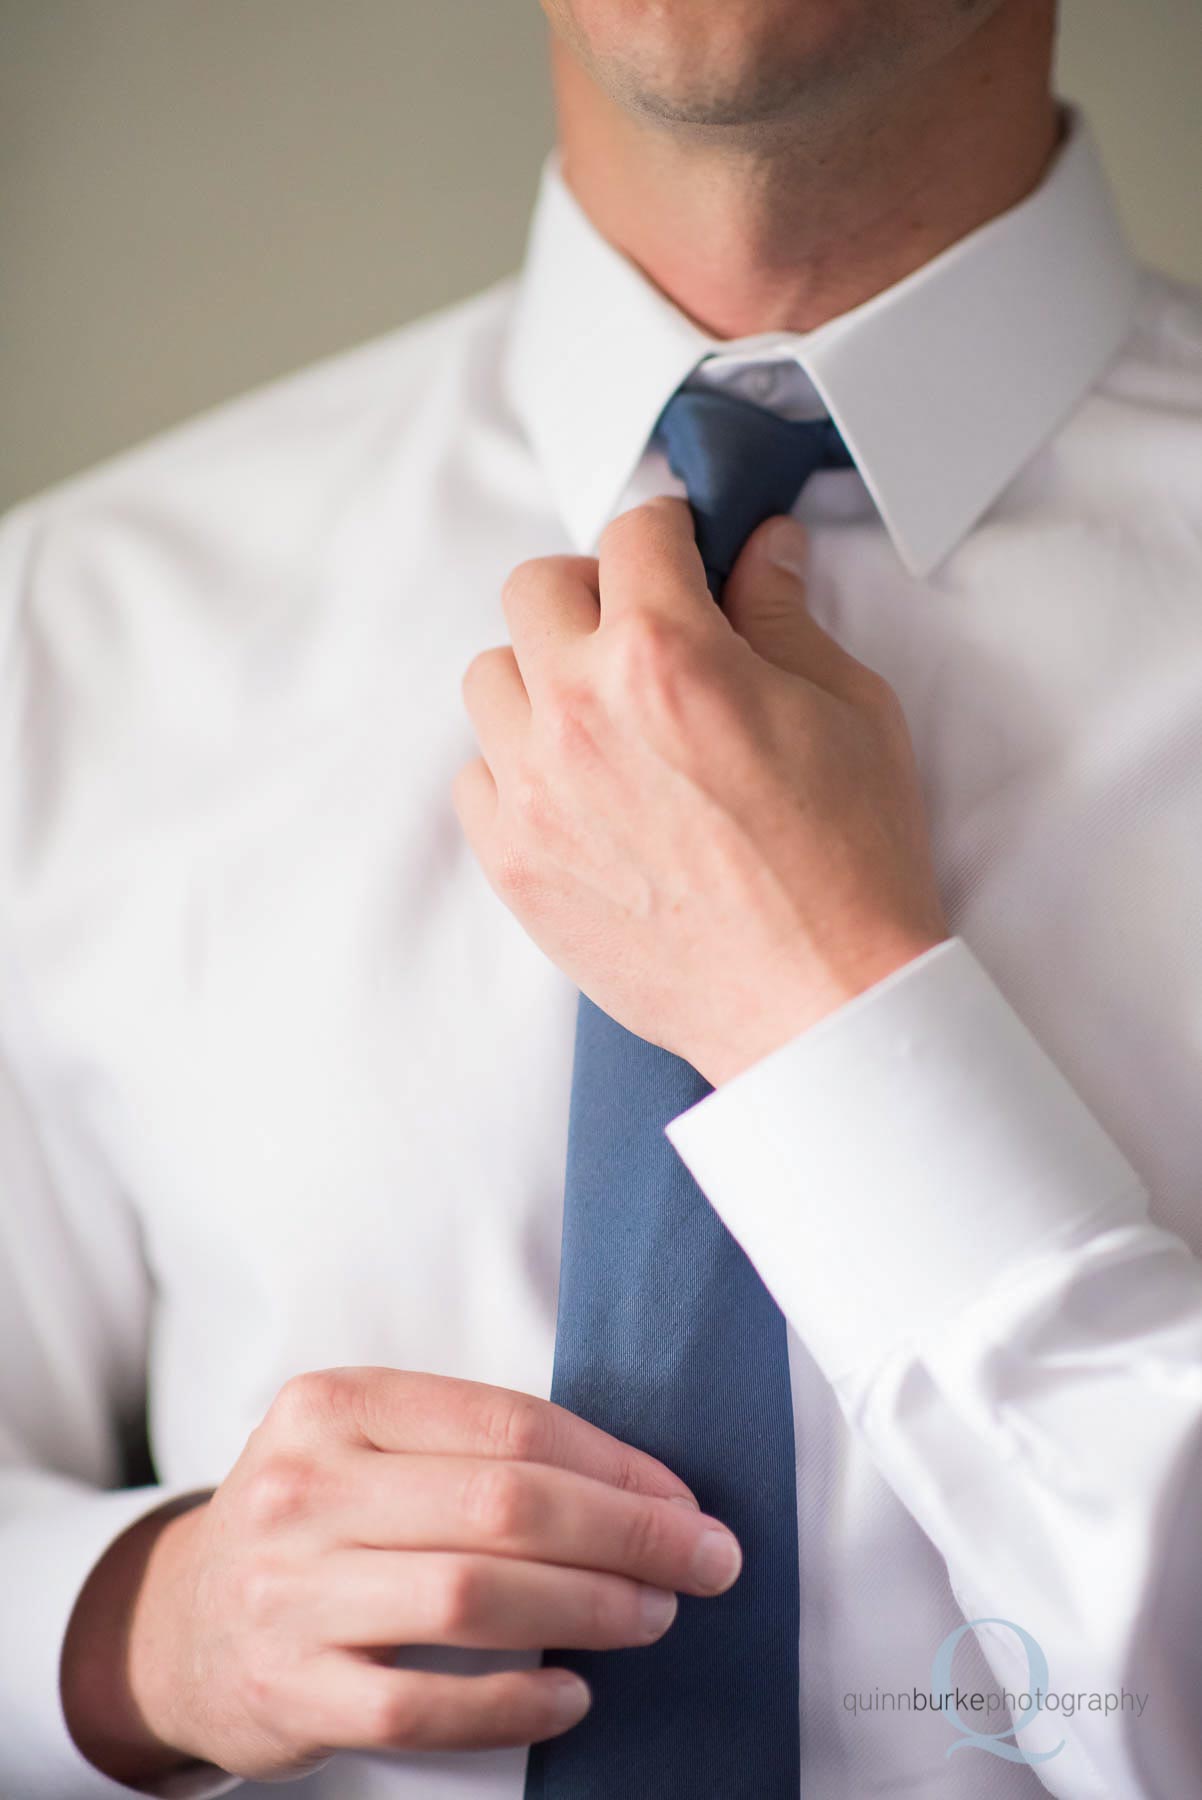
(196, 195)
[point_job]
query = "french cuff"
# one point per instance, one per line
(892, 1163)
(48, 1555)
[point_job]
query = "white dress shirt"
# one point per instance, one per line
(285, 1086)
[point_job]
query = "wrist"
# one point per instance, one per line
(115, 1654)
(796, 1009)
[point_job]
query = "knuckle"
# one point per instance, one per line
(456, 1596)
(616, 532)
(312, 1395)
(637, 528)
(390, 1718)
(291, 1403)
(278, 1491)
(644, 1537)
(524, 580)
(628, 1476)
(647, 638)
(475, 670)
(514, 1429)
(609, 1610)
(497, 1502)
(516, 579)
(650, 656)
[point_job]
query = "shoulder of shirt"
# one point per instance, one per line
(140, 600)
(1159, 366)
(291, 435)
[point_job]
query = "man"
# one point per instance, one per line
(895, 848)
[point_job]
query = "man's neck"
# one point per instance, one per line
(785, 227)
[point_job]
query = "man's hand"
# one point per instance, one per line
(710, 819)
(373, 1509)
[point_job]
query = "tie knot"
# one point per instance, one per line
(740, 464)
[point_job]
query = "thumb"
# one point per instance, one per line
(765, 601)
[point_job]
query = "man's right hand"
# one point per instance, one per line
(373, 1509)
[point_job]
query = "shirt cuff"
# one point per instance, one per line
(48, 1555)
(897, 1159)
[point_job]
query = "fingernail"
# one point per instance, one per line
(684, 1500)
(570, 1697)
(784, 543)
(716, 1562)
(657, 1611)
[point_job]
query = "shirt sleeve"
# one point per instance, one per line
(72, 1301)
(74, 1309)
(969, 1258)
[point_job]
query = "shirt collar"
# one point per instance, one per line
(943, 385)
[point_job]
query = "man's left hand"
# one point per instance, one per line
(710, 818)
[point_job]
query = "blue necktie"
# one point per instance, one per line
(666, 1336)
(740, 464)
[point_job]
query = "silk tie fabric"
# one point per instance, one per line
(666, 1336)
(740, 464)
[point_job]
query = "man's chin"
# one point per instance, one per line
(749, 63)
(757, 98)
(706, 91)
